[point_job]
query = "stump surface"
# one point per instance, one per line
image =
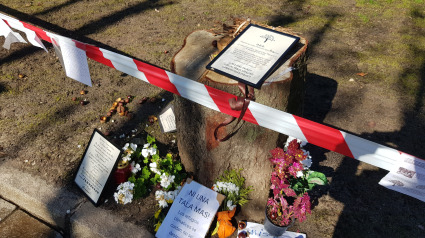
(249, 148)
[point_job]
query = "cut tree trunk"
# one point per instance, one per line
(249, 148)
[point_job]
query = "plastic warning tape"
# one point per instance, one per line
(326, 137)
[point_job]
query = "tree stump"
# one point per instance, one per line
(249, 148)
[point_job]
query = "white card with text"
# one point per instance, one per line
(191, 213)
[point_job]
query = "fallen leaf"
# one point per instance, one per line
(28, 4)
(156, 10)
(153, 117)
(361, 74)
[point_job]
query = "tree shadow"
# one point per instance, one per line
(80, 33)
(57, 7)
(370, 210)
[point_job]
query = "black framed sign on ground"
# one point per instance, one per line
(253, 55)
(99, 159)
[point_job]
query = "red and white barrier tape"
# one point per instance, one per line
(282, 122)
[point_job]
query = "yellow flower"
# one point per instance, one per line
(157, 225)
(157, 213)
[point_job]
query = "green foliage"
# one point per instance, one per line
(236, 178)
(150, 139)
(364, 18)
(156, 179)
(145, 173)
(317, 178)
(305, 183)
(145, 178)
(140, 186)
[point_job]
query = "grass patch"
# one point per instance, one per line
(364, 18)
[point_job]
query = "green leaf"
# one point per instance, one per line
(178, 167)
(316, 181)
(166, 163)
(145, 173)
(169, 156)
(216, 229)
(155, 157)
(150, 139)
(146, 160)
(132, 179)
(155, 179)
(317, 178)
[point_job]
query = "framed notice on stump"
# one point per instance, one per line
(253, 55)
(96, 167)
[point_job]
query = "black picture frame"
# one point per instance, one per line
(97, 203)
(269, 71)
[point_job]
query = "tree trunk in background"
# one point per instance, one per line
(249, 148)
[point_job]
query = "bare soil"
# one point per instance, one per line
(42, 128)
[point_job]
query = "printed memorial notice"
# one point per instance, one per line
(100, 157)
(191, 213)
(253, 55)
(256, 230)
(167, 120)
(407, 176)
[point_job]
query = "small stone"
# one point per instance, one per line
(79, 146)
(371, 124)
(26, 161)
(68, 211)
(163, 99)
(106, 200)
(174, 141)
(351, 80)
(359, 167)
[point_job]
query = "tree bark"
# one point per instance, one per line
(249, 148)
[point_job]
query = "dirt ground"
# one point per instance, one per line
(44, 132)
